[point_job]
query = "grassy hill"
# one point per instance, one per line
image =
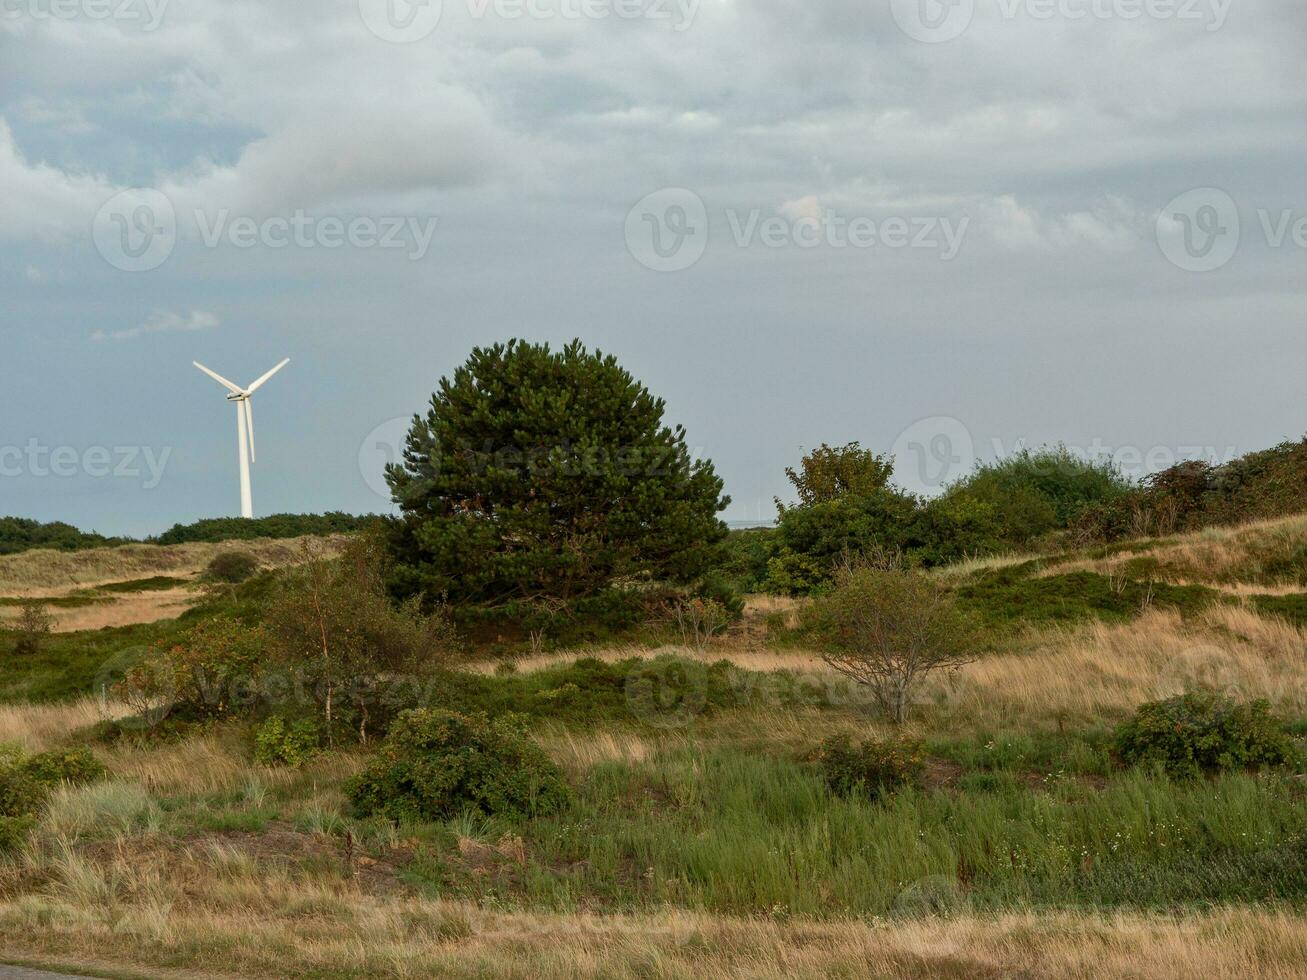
(702, 838)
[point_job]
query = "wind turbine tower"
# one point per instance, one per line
(244, 426)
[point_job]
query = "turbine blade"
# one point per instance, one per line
(234, 389)
(249, 425)
(259, 384)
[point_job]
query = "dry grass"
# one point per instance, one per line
(227, 913)
(1098, 672)
(36, 727)
(125, 609)
(43, 573)
(1217, 555)
(1083, 675)
(216, 762)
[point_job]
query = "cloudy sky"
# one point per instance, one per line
(939, 228)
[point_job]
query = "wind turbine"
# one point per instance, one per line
(244, 426)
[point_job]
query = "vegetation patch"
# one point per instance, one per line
(1011, 596)
(434, 764)
(1202, 732)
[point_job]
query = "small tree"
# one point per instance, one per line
(699, 620)
(335, 624)
(887, 630)
(830, 472)
(541, 474)
(33, 625)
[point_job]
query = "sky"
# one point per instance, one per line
(943, 228)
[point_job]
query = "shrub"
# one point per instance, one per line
(25, 784)
(213, 672)
(281, 743)
(436, 763)
(20, 794)
(871, 768)
(790, 573)
(1203, 732)
(745, 555)
(33, 626)
(14, 831)
(815, 538)
(221, 529)
(551, 474)
(21, 534)
(73, 766)
(232, 567)
(699, 620)
(1034, 492)
(887, 630)
(333, 626)
(717, 588)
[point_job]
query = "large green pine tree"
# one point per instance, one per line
(543, 475)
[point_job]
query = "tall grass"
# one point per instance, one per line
(729, 831)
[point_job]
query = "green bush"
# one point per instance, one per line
(278, 742)
(1035, 492)
(745, 554)
(220, 529)
(715, 587)
(77, 765)
(1202, 732)
(20, 794)
(790, 573)
(873, 769)
(436, 763)
(232, 567)
(25, 783)
(21, 534)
